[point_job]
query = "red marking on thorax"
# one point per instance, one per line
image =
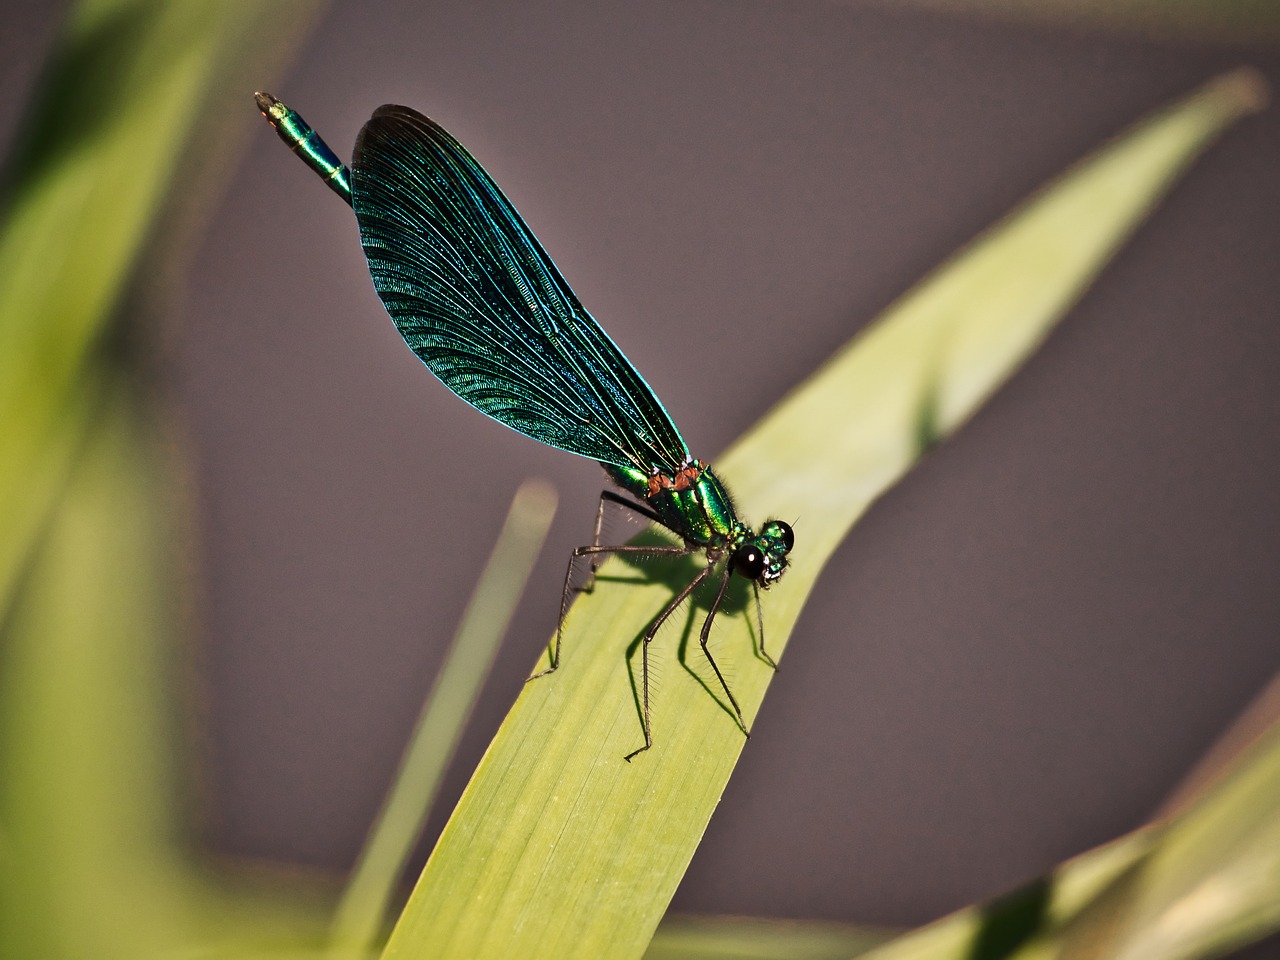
(688, 476)
(685, 479)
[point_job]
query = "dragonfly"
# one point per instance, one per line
(474, 295)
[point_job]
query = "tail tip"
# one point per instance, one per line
(266, 103)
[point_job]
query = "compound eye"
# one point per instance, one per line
(748, 560)
(785, 534)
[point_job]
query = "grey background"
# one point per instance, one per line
(1016, 654)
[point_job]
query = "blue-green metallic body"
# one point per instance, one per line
(307, 144)
(480, 302)
(482, 305)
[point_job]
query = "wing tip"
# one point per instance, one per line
(394, 110)
(388, 117)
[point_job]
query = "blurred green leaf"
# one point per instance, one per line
(1020, 923)
(83, 191)
(362, 913)
(1211, 881)
(1198, 883)
(1259, 719)
(94, 858)
(128, 83)
(88, 824)
(558, 847)
(748, 938)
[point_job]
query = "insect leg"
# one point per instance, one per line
(706, 635)
(592, 551)
(608, 496)
(649, 635)
(755, 588)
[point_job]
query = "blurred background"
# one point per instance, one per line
(1018, 653)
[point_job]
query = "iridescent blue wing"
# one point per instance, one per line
(478, 300)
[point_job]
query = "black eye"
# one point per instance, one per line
(748, 561)
(785, 534)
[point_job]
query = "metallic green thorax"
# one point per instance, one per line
(699, 508)
(306, 143)
(695, 504)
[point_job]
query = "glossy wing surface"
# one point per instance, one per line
(478, 300)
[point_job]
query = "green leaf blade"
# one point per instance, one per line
(558, 847)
